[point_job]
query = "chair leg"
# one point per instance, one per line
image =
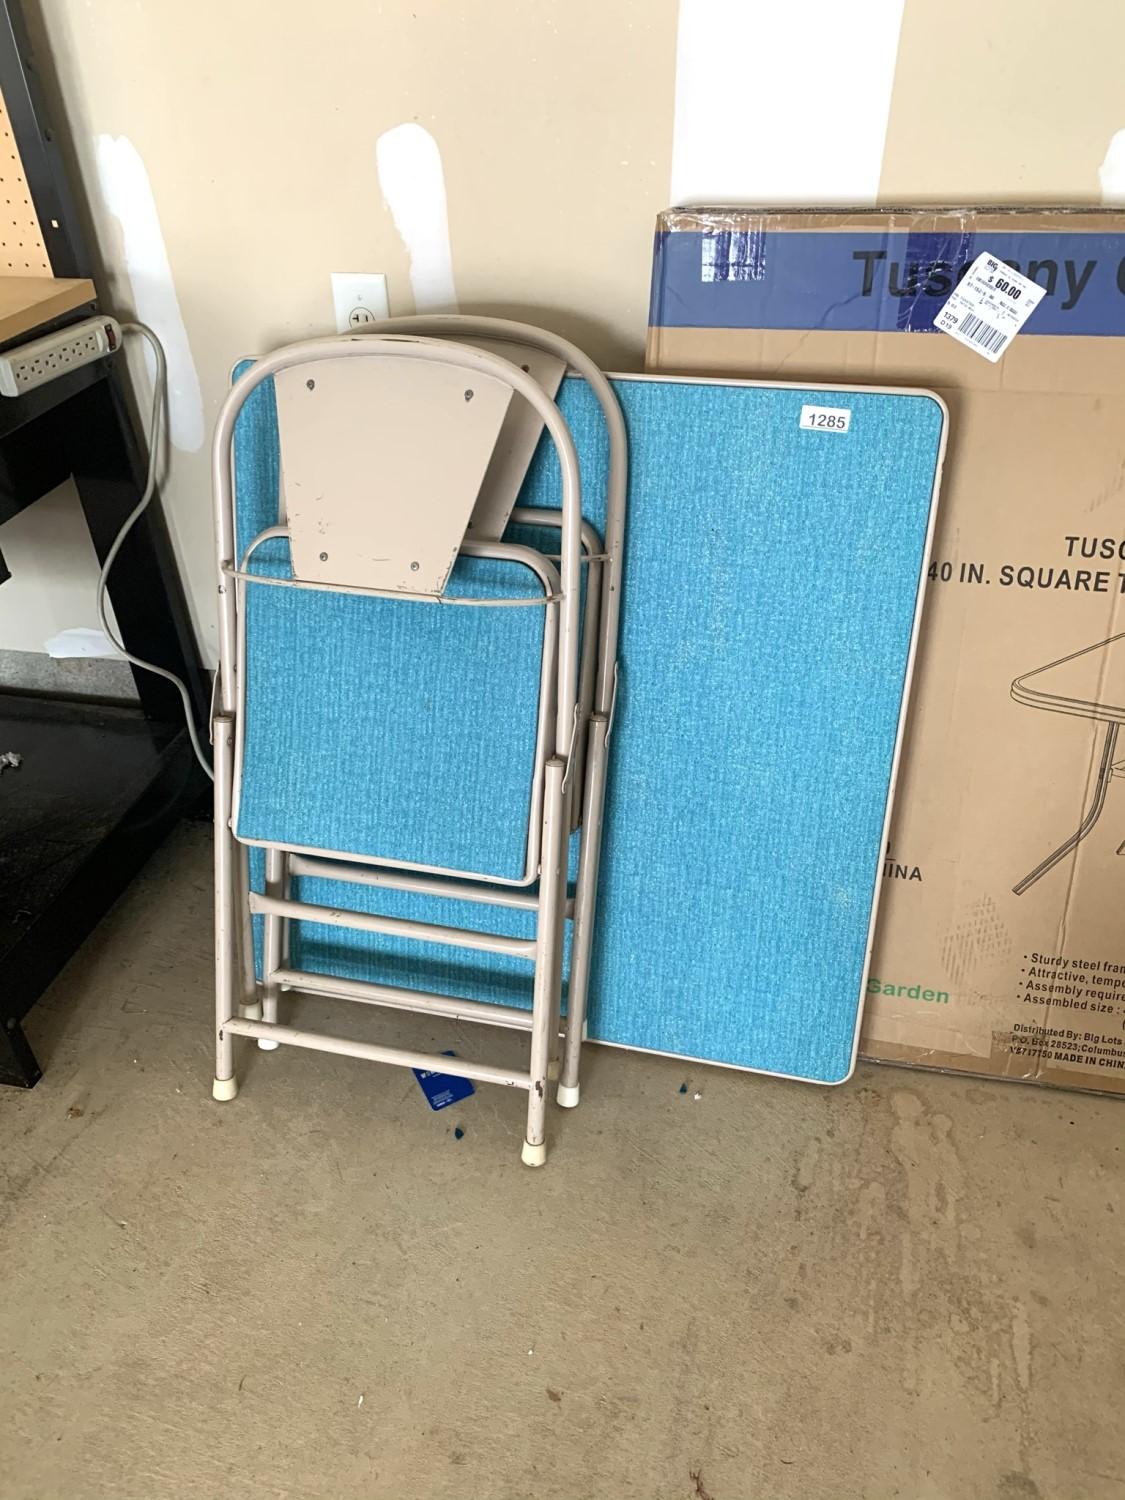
(251, 1006)
(1105, 772)
(585, 897)
(226, 920)
(554, 1059)
(548, 962)
(272, 944)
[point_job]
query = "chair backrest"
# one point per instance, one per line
(501, 631)
(458, 356)
(381, 465)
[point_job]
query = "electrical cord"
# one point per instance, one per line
(159, 398)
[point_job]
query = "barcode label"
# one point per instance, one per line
(983, 333)
(989, 307)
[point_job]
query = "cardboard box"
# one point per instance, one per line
(985, 962)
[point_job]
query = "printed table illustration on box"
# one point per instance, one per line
(1089, 684)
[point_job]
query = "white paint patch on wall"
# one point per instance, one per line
(413, 186)
(54, 572)
(128, 196)
(782, 103)
(1111, 173)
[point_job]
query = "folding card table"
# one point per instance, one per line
(773, 586)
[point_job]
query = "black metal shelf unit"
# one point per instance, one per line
(98, 788)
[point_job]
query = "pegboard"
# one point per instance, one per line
(22, 249)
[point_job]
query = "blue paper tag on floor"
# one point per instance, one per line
(442, 1088)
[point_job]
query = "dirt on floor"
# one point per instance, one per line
(720, 1287)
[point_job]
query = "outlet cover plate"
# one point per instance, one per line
(359, 298)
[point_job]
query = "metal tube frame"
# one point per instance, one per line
(527, 515)
(436, 1062)
(275, 927)
(404, 927)
(392, 997)
(251, 1006)
(225, 1085)
(572, 779)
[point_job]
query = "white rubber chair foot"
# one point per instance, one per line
(567, 1096)
(534, 1156)
(224, 1089)
(267, 1044)
(251, 1012)
(554, 1068)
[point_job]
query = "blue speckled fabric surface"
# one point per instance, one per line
(771, 581)
(367, 719)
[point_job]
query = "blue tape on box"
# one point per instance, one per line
(442, 1089)
(890, 281)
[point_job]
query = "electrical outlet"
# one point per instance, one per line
(359, 298)
(47, 358)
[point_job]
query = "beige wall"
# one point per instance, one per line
(257, 122)
(1014, 102)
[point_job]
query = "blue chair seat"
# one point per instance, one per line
(368, 720)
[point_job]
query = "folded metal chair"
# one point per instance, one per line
(458, 689)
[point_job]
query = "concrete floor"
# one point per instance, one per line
(907, 1287)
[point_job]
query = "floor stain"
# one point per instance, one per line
(804, 1174)
(701, 1492)
(1014, 1486)
(1021, 1346)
